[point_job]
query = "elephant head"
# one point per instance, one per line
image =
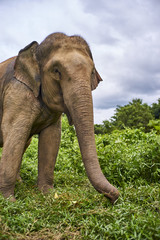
(61, 70)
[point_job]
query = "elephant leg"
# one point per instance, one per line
(49, 141)
(15, 136)
(19, 179)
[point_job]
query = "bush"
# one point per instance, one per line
(125, 156)
(69, 157)
(74, 209)
(128, 155)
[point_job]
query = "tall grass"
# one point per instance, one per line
(130, 159)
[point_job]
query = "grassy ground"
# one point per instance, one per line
(74, 210)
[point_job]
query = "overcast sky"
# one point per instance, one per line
(124, 36)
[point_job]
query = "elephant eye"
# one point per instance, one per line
(57, 72)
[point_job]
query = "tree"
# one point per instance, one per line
(106, 127)
(99, 129)
(155, 109)
(133, 115)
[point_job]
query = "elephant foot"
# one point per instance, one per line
(7, 191)
(8, 195)
(11, 198)
(45, 188)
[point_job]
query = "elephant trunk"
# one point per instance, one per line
(80, 107)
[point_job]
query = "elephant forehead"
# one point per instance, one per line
(71, 57)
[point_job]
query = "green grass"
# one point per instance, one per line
(73, 209)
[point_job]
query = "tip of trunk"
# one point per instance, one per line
(112, 194)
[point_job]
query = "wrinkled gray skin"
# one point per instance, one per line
(37, 86)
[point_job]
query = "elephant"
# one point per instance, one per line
(40, 84)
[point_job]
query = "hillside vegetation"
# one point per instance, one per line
(135, 114)
(129, 158)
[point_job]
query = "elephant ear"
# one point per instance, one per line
(95, 80)
(26, 68)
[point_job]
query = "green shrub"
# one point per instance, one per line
(128, 155)
(74, 209)
(69, 157)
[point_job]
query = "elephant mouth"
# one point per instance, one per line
(68, 116)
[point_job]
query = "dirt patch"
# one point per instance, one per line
(46, 234)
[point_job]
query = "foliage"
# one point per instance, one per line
(133, 115)
(74, 210)
(155, 109)
(106, 127)
(129, 155)
(99, 129)
(155, 124)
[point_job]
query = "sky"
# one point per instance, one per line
(124, 37)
